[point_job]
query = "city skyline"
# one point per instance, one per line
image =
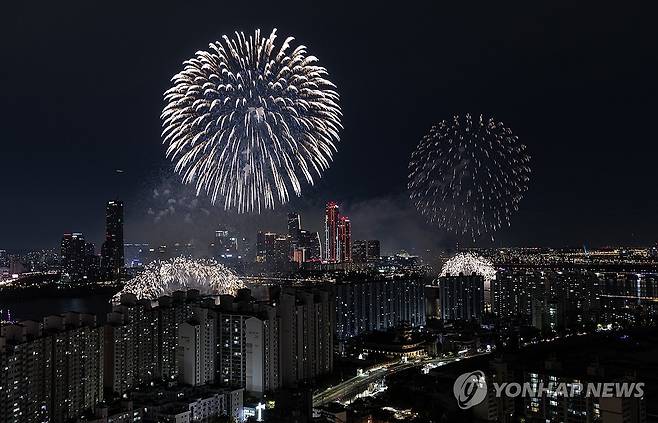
(488, 64)
(302, 212)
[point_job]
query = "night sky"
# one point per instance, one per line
(82, 88)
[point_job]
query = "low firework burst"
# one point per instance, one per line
(468, 175)
(164, 277)
(468, 264)
(249, 122)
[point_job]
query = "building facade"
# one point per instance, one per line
(378, 304)
(461, 297)
(52, 371)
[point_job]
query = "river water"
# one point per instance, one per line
(38, 308)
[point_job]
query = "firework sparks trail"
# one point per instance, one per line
(164, 277)
(468, 175)
(248, 122)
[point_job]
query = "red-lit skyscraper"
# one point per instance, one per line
(345, 239)
(331, 222)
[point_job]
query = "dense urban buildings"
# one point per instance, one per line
(50, 371)
(462, 297)
(185, 357)
(309, 246)
(260, 211)
(365, 251)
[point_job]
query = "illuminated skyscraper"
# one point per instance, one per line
(112, 249)
(310, 243)
(345, 239)
(279, 260)
(374, 250)
(265, 246)
(331, 244)
(365, 251)
(294, 226)
(226, 249)
(73, 249)
(360, 251)
(226, 244)
(4, 258)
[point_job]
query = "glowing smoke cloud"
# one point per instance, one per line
(249, 122)
(164, 277)
(468, 175)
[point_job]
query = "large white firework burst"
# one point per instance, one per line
(164, 277)
(249, 122)
(468, 175)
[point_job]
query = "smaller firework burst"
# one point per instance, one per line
(469, 264)
(468, 175)
(164, 277)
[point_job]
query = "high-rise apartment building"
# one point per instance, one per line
(51, 371)
(172, 311)
(132, 343)
(306, 334)
(462, 297)
(377, 305)
(197, 347)
(249, 346)
(580, 407)
(264, 346)
(25, 373)
(141, 340)
(77, 353)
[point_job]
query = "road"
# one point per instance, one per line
(359, 384)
